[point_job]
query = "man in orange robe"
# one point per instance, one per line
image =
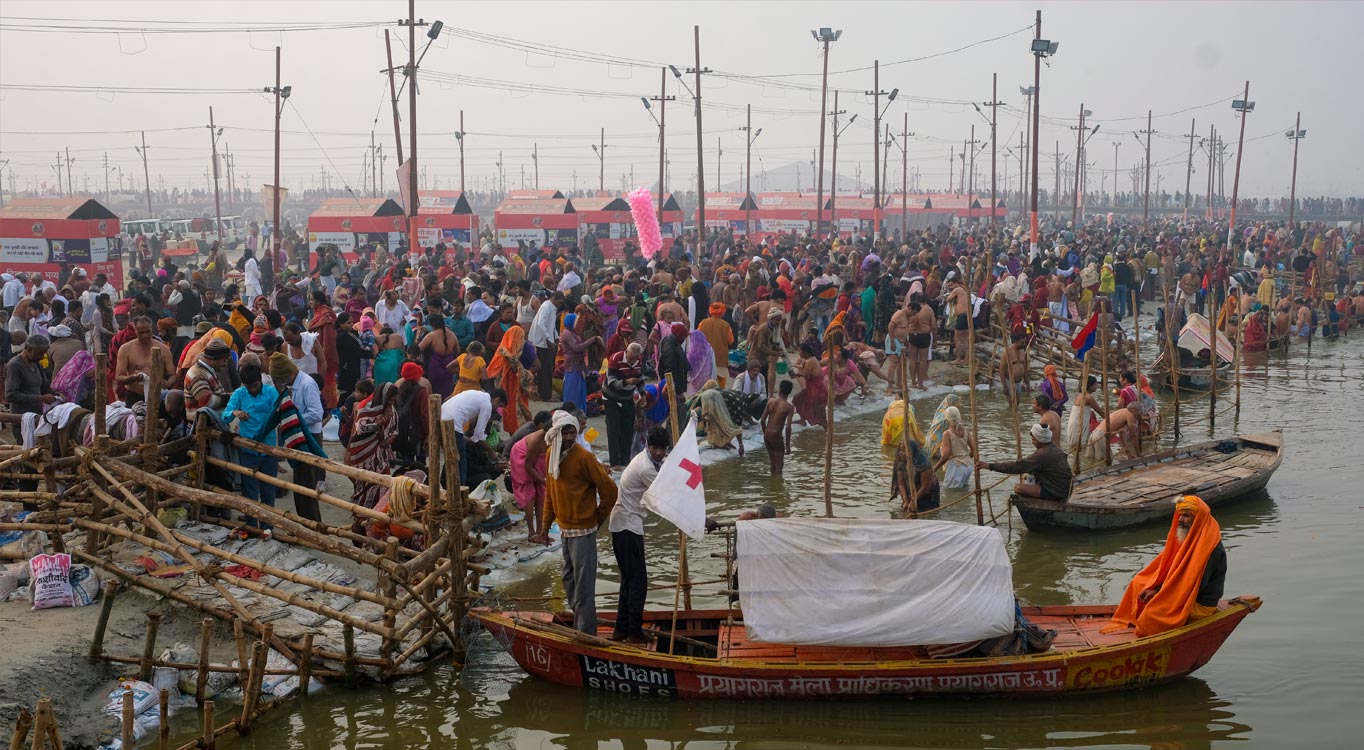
(1184, 583)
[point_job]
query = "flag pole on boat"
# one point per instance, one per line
(1106, 329)
(683, 574)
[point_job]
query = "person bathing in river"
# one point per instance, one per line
(1047, 464)
(1184, 582)
(1041, 406)
(1013, 367)
(776, 427)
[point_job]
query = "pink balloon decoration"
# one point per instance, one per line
(646, 222)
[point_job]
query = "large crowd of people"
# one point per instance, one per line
(522, 345)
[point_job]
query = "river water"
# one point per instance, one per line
(1290, 676)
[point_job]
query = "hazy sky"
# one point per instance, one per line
(1119, 59)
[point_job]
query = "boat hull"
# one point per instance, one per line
(1051, 514)
(1133, 663)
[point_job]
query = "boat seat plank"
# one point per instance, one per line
(734, 644)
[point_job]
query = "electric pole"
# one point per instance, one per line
(825, 35)
(904, 179)
(393, 99)
(700, 156)
(535, 159)
(993, 104)
(877, 177)
(1079, 159)
(1188, 169)
(460, 138)
(662, 100)
(601, 162)
(833, 193)
(70, 188)
(1295, 135)
(1247, 106)
(146, 178)
(281, 95)
(1146, 202)
(749, 137)
(971, 184)
(213, 133)
(108, 196)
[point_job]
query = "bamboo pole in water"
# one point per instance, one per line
(971, 384)
(1080, 437)
(1105, 327)
(829, 436)
(1213, 362)
(911, 476)
(1136, 357)
(683, 574)
(1240, 327)
(1171, 352)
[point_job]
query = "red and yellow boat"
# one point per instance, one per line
(711, 657)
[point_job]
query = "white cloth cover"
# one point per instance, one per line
(864, 582)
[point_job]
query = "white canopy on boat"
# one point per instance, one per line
(862, 582)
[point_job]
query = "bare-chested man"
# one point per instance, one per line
(897, 336)
(757, 313)
(1302, 324)
(959, 304)
(776, 427)
(920, 338)
(135, 357)
(1041, 406)
(669, 311)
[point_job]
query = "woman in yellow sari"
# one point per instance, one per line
(505, 371)
(472, 368)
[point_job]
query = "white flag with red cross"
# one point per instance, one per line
(677, 493)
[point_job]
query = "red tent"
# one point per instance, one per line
(609, 220)
(730, 211)
(444, 216)
(544, 221)
(350, 223)
(38, 234)
(787, 213)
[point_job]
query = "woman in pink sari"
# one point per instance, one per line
(528, 481)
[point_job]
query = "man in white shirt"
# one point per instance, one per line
(474, 407)
(100, 286)
(12, 291)
(251, 270)
(544, 336)
(752, 381)
(627, 535)
(391, 311)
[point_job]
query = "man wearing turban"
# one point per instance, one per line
(1184, 582)
(1047, 464)
(579, 495)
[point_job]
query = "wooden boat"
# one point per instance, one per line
(718, 661)
(1144, 489)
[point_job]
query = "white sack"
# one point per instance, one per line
(852, 582)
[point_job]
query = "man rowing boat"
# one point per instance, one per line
(1185, 581)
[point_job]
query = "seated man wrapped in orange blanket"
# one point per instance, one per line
(1184, 583)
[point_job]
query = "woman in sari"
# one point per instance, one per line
(74, 382)
(505, 371)
(439, 348)
(812, 400)
(323, 323)
(700, 361)
(473, 369)
(371, 444)
(621, 339)
(957, 461)
(389, 361)
(893, 423)
(714, 418)
(847, 377)
(937, 429)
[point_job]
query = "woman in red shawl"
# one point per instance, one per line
(505, 370)
(621, 339)
(323, 324)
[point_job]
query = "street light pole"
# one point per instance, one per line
(1146, 203)
(1297, 134)
(1037, 50)
(825, 35)
(993, 104)
(1079, 142)
(1247, 106)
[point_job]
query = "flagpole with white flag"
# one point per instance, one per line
(679, 495)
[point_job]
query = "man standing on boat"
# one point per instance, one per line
(1048, 465)
(627, 535)
(1185, 581)
(579, 494)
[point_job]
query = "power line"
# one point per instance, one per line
(30, 24)
(56, 89)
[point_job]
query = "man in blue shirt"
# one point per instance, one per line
(252, 405)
